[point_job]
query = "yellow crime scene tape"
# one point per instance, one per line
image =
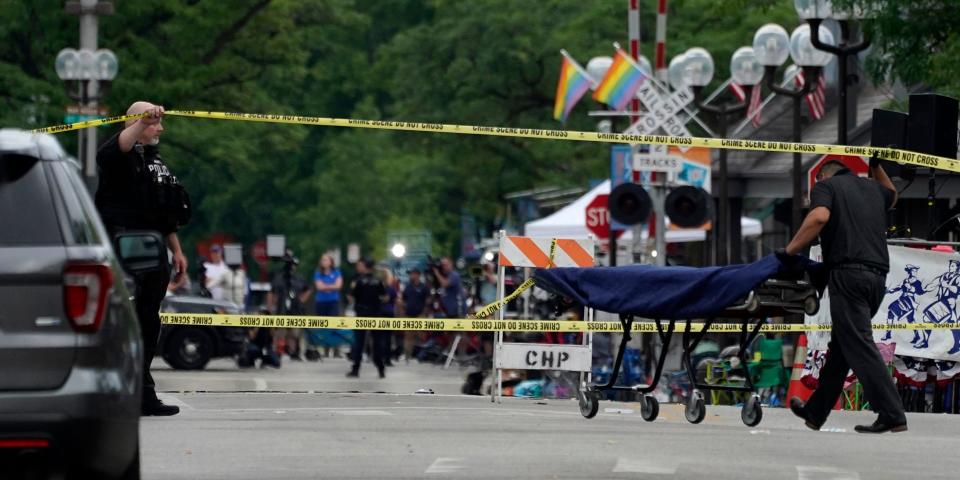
(897, 155)
(497, 305)
(484, 325)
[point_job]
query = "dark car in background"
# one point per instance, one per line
(191, 347)
(70, 350)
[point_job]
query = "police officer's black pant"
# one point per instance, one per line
(855, 296)
(380, 347)
(151, 288)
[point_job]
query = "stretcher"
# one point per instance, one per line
(741, 294)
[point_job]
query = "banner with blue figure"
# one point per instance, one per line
(922, 287)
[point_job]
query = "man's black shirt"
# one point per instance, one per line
(856, 231)
(124, 196)
(367, 293)
(415, 298)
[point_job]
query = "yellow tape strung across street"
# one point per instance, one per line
(902, 156)
(481, 325)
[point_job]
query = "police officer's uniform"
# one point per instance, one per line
(137, 191)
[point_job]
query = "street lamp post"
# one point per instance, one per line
(771, 47)
(87, 74)
(695, 69)
(814, 12)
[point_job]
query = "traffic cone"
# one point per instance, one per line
(797, 388)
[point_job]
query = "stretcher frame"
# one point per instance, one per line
(769, 299)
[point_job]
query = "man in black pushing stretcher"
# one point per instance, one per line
(849, 214)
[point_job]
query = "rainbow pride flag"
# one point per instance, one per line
(621, 82)
(571, 86)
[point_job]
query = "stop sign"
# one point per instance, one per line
(857, 165)
(598, 217)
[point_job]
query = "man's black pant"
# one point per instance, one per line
(381, 339)
(151, 288)
(855, 297)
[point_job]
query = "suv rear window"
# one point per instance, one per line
(27, 215)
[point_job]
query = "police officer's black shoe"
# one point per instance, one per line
(880, 427)
(353, 373)
(797, 407)
(156, 408)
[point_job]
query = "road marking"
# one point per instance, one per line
(445, 465)
(635, 465)
(810, 472)
(259, 384)
(362, 413)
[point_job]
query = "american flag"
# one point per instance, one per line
(816, 99)
(756, 101)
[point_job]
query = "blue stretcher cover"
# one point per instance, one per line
(660, 292)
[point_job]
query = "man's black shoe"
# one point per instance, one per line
(880, 427)
(157, 408)
(796, 406)
(312, 355)
(382, 373)
(353, 374)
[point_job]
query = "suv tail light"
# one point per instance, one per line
(85, 288)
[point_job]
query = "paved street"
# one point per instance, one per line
(403, 435)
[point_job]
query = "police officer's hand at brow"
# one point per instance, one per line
(133, 132)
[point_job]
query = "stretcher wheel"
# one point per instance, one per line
(696, 409)
(811, 305)
(649, 407)
(589, 403)
(752, 413)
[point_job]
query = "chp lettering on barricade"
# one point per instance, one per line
(533, 252)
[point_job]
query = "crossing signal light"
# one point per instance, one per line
(629, 204)
(689, 206)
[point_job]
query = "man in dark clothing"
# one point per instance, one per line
(414, 303)
(368, 294)
(452, 298)
(849, 215)
(415, 294)
(289, 292)
(138, 192)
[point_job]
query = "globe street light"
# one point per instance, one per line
(772, 46)
(814, 12)
(695, 70)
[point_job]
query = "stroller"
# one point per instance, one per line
(747, 294)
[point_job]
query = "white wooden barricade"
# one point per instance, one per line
(534, 252)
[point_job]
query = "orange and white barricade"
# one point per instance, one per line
(540, 252)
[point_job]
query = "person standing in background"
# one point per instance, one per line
(368, 294)
(327, 281)
(413, 304)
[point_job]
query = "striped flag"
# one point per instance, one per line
(816, 99)
(621, 82)
(756, 101)
(571, 86)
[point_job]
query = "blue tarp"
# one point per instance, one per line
(659, 292)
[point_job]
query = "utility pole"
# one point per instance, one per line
(92, 71)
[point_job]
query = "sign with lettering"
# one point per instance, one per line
(541, 356)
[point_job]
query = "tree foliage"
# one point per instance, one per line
(485, 62)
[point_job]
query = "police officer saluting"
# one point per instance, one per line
(849, 213)
(138, 192)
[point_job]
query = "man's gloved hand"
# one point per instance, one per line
(791, 264)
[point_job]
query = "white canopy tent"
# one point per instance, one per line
(571, 222)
